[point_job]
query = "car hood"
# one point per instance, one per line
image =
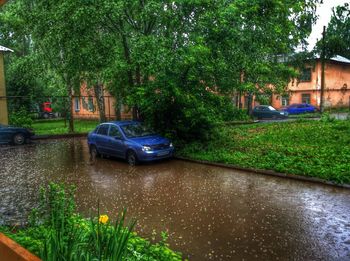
(151, 140)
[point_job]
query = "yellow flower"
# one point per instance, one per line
(103, 219)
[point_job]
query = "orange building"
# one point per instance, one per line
(307, 89)
(85, 105)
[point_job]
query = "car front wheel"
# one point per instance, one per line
(131, 158)
(19, 139)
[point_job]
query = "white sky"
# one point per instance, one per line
(324, 12)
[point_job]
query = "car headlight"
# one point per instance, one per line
(171, 145)
(282, 113)
(146, 148)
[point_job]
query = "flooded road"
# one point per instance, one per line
(210, 213)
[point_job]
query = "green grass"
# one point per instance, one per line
(311, 148)
(57, 126)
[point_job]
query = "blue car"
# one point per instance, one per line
(130, 140)
(300, 108)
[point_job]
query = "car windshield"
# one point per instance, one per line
(272, 108)
(137, 130)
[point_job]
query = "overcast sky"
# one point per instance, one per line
(324, 12)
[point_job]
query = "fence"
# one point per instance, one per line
(83, 107)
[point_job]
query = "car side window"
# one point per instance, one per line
(103, 130)
(114, 132)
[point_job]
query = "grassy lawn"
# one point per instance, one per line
(310, 148)
(57, 126)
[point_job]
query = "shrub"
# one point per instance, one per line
(21, 118)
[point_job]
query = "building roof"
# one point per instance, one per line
(4, 49)
(341, 59)
(337, 58)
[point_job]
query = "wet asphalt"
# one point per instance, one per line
(210, 213)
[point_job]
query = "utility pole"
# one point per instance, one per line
(323, 53)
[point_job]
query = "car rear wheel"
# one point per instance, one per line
(19, 139)
(94, 152)
(131, 158)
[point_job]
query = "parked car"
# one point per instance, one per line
(300, 108)
(268, 112)
(14, 135)
(130, 140)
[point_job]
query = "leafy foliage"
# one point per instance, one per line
(167, 60)
(337, 40)
(20, 118)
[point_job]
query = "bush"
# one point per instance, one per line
(21, 118)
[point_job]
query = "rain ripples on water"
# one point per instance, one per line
(210, 213)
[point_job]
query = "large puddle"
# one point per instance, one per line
(209, 212)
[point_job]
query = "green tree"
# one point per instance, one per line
(175, 63)
(337, 40)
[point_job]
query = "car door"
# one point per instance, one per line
(309, 108)
(271, 112)
(264, 113)
(301, 108)
(102, 139)
(256, 112)
(115, 145)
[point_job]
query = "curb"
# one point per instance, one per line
(10, 250)
(59, 136)
(267, 172)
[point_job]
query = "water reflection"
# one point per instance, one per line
(210, 213)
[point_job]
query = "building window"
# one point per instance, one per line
(305, 75)
(76, 104)
(84, 103)
(285, 101)
(305, 98)
(91, 106)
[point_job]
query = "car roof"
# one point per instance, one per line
(121, 123)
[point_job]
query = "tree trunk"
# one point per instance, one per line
(240, 100)
(70, 104)
(135, 114)
(130, 71)
(98, 89)
(118, 107)
(250, 104)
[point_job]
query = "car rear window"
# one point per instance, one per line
(103, 130)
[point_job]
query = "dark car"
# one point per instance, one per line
(130, 140)
(268, 112)
(14, 135)
(300, 108)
